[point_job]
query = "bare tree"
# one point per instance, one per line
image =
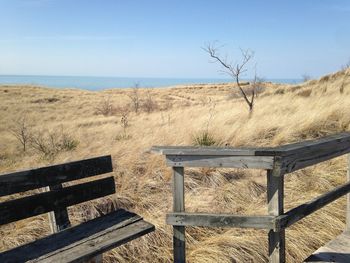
(20, 129)
(135, 98)
(234, 70)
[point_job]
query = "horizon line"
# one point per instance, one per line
(141, 77)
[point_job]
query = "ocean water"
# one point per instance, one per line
(100, 83)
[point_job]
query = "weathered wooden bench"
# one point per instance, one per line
(67, 244)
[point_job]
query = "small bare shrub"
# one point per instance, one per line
(105, 108)
(306, 77)
(149, 104)
(51, 143)
(21, 130)
(135, 98)
(124, 123)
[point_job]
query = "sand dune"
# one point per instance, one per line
(282, 114)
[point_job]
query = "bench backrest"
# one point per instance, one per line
(58, 198)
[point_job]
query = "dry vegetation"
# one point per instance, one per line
(283, 114)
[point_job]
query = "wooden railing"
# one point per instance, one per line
(278, 161)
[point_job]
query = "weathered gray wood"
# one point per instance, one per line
(296, 214)
(25, 207)
(325, 142)
(284, 150)
(179, 240)
(293, 156)
(58, 219)
(220, 220)
(80, 243)
(348, 196)
(337, 250)
(212, 151)
(249, 162)
(53, 175)
(307, 154)
(275, 192)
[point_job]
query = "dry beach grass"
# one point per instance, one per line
(282, 114)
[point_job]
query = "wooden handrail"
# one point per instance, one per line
(277, 161)
(301, 211)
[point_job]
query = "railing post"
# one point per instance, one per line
(348, 196)
(275, 181)
(179, 206)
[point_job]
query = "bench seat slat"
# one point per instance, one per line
(84, 241)
(25, 207)
(52, 175)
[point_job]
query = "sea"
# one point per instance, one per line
(101, 83)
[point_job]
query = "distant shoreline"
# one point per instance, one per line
(102, 83)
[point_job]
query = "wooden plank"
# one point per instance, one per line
(84, 241)
(294, 156)
(348, 197)
(249, 162)
(324, 142)
(53, 175)
(337, 250)
(275, 192)
(315, 152)
(179, 239)
(298, 213)
(282, 150)
(220, 220)
(17, 209)
(212, 151)
(58, 219)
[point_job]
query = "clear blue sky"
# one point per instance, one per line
(164, 38)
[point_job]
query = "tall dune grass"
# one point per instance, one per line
(283, 114)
